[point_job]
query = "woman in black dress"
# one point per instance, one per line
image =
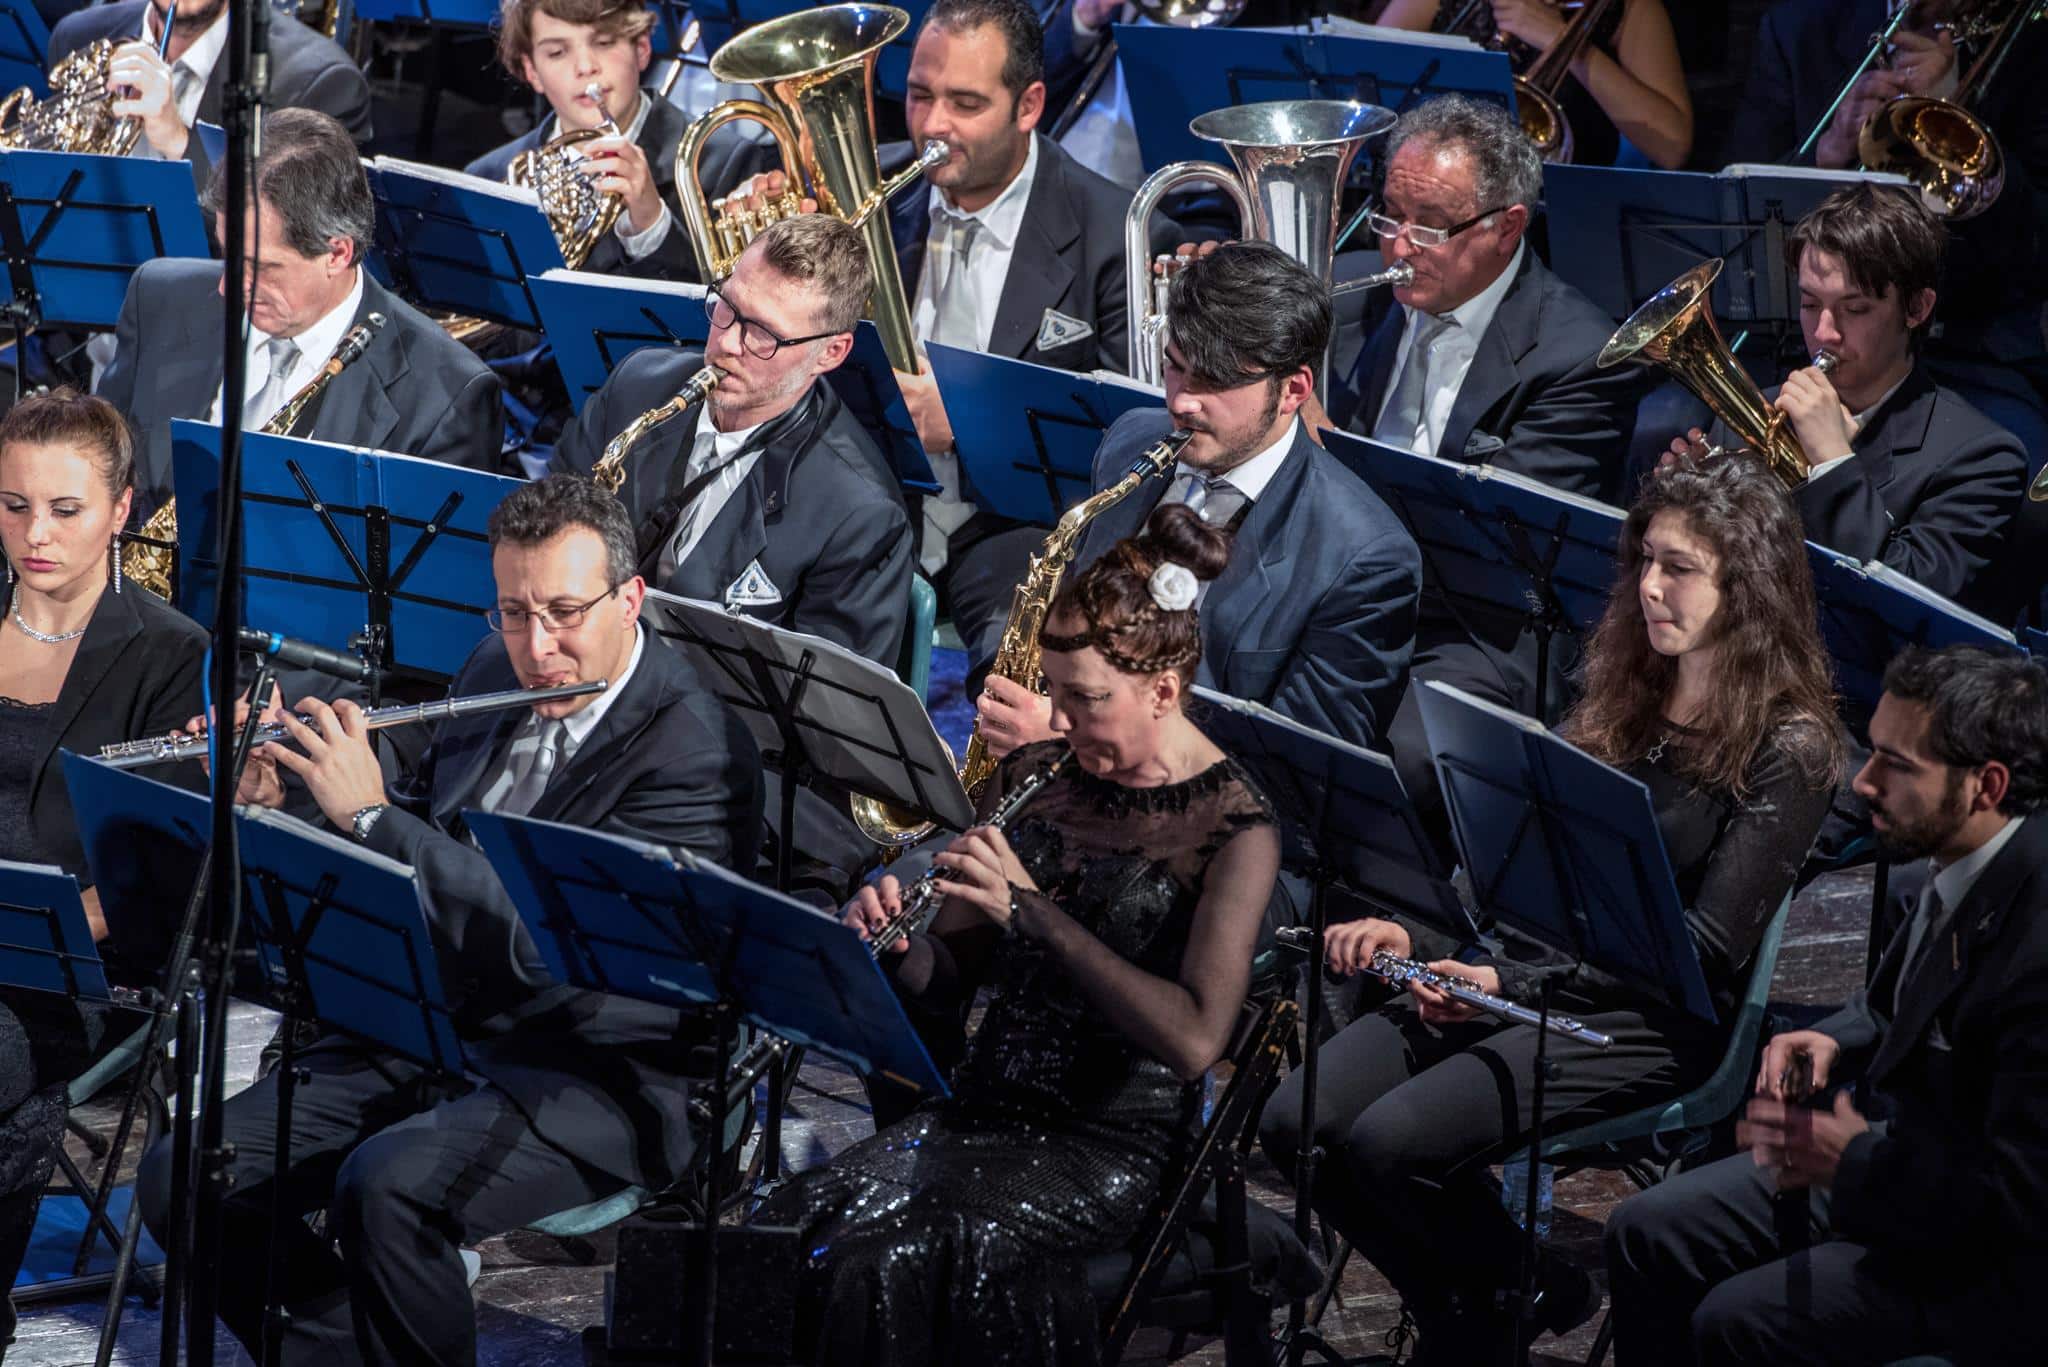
(1706, 679)
(84, 660)
(1114, 921)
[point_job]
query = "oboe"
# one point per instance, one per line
(922, 899)
(131, 754)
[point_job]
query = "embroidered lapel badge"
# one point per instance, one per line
(753, 589)
(1056, 329)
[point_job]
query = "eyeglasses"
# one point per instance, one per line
(1425, 237)
(516, 620)
(754, 336)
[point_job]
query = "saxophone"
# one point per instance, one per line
(1017, 658)
(152, 553)
(610, 470)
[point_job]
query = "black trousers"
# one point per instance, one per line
(1409, 1118)
(409, 1170)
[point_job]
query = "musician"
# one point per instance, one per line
(574, 1095)
(1626, 99)
(1918, 1182)
(1316, 615)
(413, 391)
(768, 497)
(171, 93)
(1707, 681)
(1904, 470)
(1113, 920)
(82, 663)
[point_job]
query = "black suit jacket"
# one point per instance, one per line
(730, 159)
(820, 513)
(1069, 259)
(1315, 614)
(138, 673)
(414, 391)
(601, 1077)
(307, 71)
(1955, 1187)
(1931, 491)
(1533, 401)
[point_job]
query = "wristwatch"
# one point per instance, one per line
(366, 817)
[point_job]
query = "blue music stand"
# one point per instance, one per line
(1186, 73)
(721, 20)
(445, 13)
(1029, 451)
(361, 550)
(459, 244)
(1870, 612)
(24, 43)
(145, 842)
(595, 321)
(1496, 542)
(73, 228)
(45, 942)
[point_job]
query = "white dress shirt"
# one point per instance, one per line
(1249, 479)
(1951, 883)
(1452, 355)
(199, 60)
(315, 344)
(1103, 138)
(710, 449)
(1820, 468)
(576, 728)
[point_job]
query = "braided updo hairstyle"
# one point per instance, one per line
(1114, 600)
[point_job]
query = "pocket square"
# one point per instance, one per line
(1483, 447)
(1056, 329)
(753, 589)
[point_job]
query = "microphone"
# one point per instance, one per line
(306, 655)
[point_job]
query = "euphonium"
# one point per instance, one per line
(149, 557)
(1675, 328)
(1292, 157)
(817, 69)
(610, 470)
(1017, 658)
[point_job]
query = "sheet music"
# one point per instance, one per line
(325, 838)
(1919, 592)
(442, 175)
(1123, 381)
(632, 284)
(1338, 27)
(1843, 175)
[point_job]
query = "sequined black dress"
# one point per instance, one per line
(955, 1236)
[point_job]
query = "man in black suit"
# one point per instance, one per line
(169, 94)
(1908, 1216)
(1903, 470)
(413, 391)
(580, 1094)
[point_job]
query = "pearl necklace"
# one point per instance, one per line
(14, 605)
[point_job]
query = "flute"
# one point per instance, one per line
(1401, 972)
(181, 745)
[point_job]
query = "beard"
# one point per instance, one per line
(1241, 445)
(194, 16)
(1911, 840)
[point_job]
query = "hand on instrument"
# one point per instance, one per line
(1691, 446)
(1801, 1147)
(755, 191)
(261, 785)
(1097, 14)
(1536, 22)
(1923, 61)
(981, 869)
(1820, 1051)
(927, 411)
(1441, 1008)
(140, 82)
(1837, 146)
(1181, 255)
(1009, 715)
(1824, 425)
(338, 765)
(1348, 946)
(617, 166)
(95, 919)
(873, 907)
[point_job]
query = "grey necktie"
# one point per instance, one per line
(954, 323)
(1213, 496)
(184, 80)
(284, 354)
(1400, 421)
(1930, 919)
(703, 452)
(538, 768)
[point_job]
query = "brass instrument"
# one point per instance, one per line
(1536, 104)
(151, 553)
(79, 115)
(921, 901)
(1675, 329)
(816, 67)
(1292, 157)
(1017, 658)
(181, 745)
(610, 470)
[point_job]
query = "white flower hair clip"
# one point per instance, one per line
(1173, 587)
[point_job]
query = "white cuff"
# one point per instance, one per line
(1819, 468)
(639, 245)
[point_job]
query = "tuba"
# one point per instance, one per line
(1675, 329)
(817, 69)
(1018, 656)
(77, 117)
(151, 553)
(1292, 158)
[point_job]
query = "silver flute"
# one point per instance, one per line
(181, 745)
(923, 898)
(1401, 972)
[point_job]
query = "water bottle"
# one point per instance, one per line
(1514, 1193)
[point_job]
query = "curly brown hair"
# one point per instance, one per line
(1774, 679)
(1113, 596)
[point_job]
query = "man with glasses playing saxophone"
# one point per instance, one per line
(581, 1094)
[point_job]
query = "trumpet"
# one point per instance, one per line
(182, 745)
(923, 898)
